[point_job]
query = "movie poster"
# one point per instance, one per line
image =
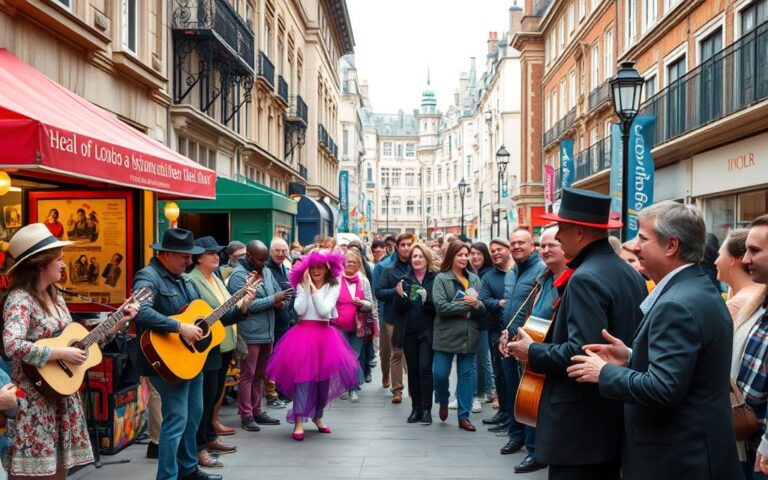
(96, 264)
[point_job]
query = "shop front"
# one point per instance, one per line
(730, 184)
(89, 177)
(313, 218)
(242, 211)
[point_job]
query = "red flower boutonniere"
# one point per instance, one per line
(20, 393)
(562, 280)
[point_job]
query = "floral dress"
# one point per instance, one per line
(45, 433)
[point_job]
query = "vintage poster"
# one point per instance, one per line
(96, 265)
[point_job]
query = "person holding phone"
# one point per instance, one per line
(456, 331)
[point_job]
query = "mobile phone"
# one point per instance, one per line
(459, 295)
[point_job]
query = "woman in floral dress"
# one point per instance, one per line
(48, 437)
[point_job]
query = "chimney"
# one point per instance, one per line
(415, 113)
(493, 43)
(515, 20)
(400, 117)
(364, 89)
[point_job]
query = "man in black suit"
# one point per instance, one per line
(578, 432)
(674, 380)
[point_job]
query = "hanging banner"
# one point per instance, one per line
(369, 215)
(549, 187)
(641, 171)
(344, 200)
(566, 163)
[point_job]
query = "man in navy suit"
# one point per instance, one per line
(674, 381)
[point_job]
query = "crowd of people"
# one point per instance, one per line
(645, 345)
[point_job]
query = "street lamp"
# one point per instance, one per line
(626, 90)
(462, 191)
(479, 212)
(387, 191)
(502, 160)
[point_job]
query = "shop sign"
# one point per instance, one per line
(735, 166)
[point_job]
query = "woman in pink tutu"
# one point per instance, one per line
(313, 364)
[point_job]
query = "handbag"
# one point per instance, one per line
(363, 323)
(745, 423)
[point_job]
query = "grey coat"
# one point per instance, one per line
(456, 327)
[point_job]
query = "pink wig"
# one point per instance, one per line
(333, 260)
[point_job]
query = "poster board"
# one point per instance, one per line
(99, 265)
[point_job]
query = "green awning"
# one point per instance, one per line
(232, 195)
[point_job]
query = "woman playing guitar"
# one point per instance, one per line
(48, 437)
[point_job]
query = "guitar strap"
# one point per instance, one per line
(535, 291)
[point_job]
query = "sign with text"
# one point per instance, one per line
(735, 166)
(549, 187)
(344, 200)
(566, 163)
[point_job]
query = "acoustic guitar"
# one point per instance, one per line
(58, 378)
(173, 357)
(531, 383)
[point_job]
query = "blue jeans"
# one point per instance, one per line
(182, 411)
(517, 431)
(441, 371)
(484, 366)
(357, 344)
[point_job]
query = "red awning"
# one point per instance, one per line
(44, 125)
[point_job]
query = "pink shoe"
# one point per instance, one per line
(298, 436)
(325, 429)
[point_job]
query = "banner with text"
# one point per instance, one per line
(344, 200)
(549, 187)
(566, 163)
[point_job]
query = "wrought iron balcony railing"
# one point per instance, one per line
(265, 69)
(216, 19)
(599, 95)
(282, 88)
(593, 160)
(732, 79)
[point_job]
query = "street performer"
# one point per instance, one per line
(578, 432)
(182, 403)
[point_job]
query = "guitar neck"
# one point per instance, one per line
(222, 309)
(102, 331)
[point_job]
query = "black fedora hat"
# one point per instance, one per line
(584, 207)
(177, 240)
(209, 244)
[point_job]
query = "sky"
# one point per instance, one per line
(397, 40)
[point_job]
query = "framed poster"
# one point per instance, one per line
(99, 265)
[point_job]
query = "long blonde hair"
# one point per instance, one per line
(432, 265)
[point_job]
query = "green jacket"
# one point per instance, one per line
(457, 325)
(206, 293)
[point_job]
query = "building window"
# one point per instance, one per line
(387, 149)
(410, 149)
(572, 88)
(455, 203)
(410, 207)
(594, 4)
(384, 177)
(630, 22)
(439, 175)
(429, 177)
(267, 38)
(455, 170)
(753, 15)
(399, 150)
(450, 144)
(595, 73)
(429, 205)
(582, 9)
(571, 6)
(561, 34)
(395, 206)
(650, 86)
(249, 15)
(410, 179)
(563, 98)
(439, 206)
(396, 177)
(130, 17)
(345, 141)
(370, 173)
(649, 14)
(608, 71)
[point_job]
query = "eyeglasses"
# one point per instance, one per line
(550, 245)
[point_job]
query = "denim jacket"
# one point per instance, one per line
(525, 274)
(259, 327)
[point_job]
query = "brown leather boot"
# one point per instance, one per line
(206, 460)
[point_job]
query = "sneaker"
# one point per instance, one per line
(368, 378)
(344, 396)
(476, 407)
(353, 397)
(264, 419)
(453, 405)
(275, 402)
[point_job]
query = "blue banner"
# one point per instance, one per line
(566, 163)
(369, 217)
(344, 200)
(641, 171)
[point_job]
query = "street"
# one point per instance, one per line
(370, 439)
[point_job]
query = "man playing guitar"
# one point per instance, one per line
(181, 402)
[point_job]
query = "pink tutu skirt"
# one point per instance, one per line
(312, 364)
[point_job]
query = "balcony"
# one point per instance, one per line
(370, 184)
(297, 111)
(593, 160)
(282, 88)
(322, 135)
(559, 128)
(549, 136)
(265, 71)
(303, 172)
(733, 79)
(599, 96)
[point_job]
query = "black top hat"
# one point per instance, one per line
(209, 244)
(584, 207)
(177, 240)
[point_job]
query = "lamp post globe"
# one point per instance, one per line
(502, 160)
(626, 92)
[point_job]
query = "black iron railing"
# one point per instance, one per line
(282, 88)
(322, 135)
(599, 95)
(298, 111)
(303, 171)
(569, 119)
(734, 78)
(266, 70)
(218, 19)
(593, 160)
(550, 135)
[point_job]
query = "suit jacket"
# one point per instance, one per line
(577, 426)
(677, 417)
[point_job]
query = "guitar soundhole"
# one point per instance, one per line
(202, 344)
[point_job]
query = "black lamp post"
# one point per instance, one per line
(462, 191)
(502, 160)
(479, 212)
(387, 191)
(626, 90)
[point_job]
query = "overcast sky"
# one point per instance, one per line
(396, 40)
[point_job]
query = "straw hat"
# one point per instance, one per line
(32, 239)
